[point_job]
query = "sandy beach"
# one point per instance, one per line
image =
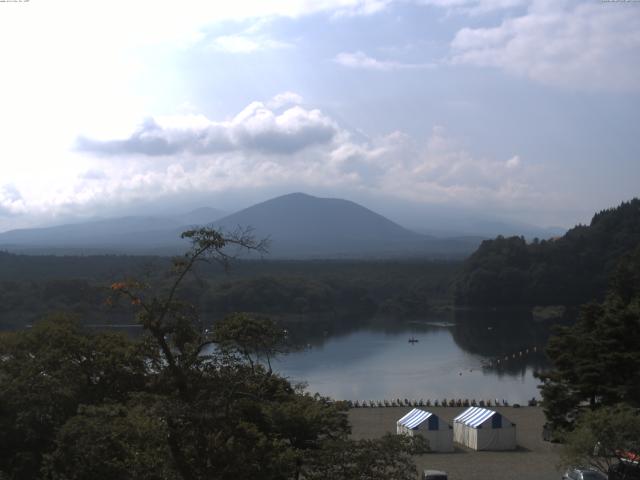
(534, 459)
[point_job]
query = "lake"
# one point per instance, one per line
(450, 359)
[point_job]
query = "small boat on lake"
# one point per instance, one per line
(413, 340)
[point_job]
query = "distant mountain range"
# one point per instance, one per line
(298, 226)
(131, 234)
(488, 228)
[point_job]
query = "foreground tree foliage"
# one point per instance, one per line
(180, 403)
(45, 374)
(601, 437)
(596, 362)
(591, 396)
(386, 458)
(111, 441)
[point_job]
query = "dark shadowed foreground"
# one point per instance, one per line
(533, 460)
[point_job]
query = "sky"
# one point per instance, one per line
(524, 110)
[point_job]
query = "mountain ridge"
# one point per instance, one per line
(299, 226)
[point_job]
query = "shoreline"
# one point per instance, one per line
(533, 459)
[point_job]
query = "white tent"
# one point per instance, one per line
(484, 429)
(418, 422)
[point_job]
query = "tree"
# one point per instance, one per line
(46, 373)
(254, 337)
(379, 459)
(116, 440)
(569, 270)
(602, 437)
(597, 361)
(179, 403)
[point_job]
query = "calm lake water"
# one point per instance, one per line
(449, 360)
(455, 356)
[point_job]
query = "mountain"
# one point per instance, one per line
(200, 216)
(300, 225)
(568, 270)
(486, 227)
(132, 234)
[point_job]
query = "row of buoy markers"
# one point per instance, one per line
(436, 403)
(519, 354)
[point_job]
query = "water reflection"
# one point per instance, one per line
(455, 357)
(478, 355)
(510, 340)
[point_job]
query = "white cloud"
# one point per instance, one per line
(92, 174)
(11, 200)
(258, 153)
(473, 7)
(283, 99)
(443, 172)
(73, 66)
(368, 7)
(513, 162)
(363, 61)
(240, 43)
(256, 128)
(583, 46)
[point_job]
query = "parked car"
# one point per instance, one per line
(580, 473)
(624, 471)
(434, 475)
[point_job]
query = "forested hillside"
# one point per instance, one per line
(569, 270)
(33, 286)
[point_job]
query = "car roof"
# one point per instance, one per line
(588, 470)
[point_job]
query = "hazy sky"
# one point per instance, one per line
(526, 109)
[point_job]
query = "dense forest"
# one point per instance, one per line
(569, 270)
(506, 272)
(597, 360)
(76, 404)
(591, 392)
(32, 286)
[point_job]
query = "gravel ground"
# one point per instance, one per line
(534, 459)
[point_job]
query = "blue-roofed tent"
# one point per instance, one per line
(484, 429)
(438, 433)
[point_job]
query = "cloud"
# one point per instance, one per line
(93, 174)
(363, 61)
(11, 200)
(256, 128)
(441, 171)
(240, 43)
(513, 162)
(368, 7)
(583, 46)
(435, 170)
(285, 98)
(473, 7)
(276, 146)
